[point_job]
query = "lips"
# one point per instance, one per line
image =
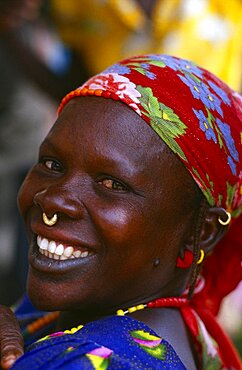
(59, 251)
(51, 256)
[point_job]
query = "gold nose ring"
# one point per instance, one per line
(49, 221)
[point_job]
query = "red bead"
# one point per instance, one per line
(167, 302)
(106, 94)
(114, 96)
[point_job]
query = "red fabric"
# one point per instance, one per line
(226, 261)
(227, 351)
(228, 354)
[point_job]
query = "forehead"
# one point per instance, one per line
(107, 126)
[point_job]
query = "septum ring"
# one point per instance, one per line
(49, 221)
(227, 221)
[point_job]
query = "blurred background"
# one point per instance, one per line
(49, 47)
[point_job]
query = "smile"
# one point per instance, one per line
(58, 251)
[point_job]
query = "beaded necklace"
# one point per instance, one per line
(49, 318)
(157, 303)
(40, 323)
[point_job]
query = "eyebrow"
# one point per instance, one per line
(49, 144)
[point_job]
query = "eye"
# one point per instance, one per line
(112, 184)
(52, 165)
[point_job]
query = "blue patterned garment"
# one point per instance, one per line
(115, 342)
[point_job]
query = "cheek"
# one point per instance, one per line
(23, 197)
(147, 230)
(117, 221)
(119, 224)
(138, 229)
(26, 193)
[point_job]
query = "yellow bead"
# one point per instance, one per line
(73, 330)
(132, 309)
(140, 307)
(67, 331)
(120, 313)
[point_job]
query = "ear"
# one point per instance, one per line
(212, 230)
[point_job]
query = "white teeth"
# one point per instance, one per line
(39, 240)
(52, 246)
(44, 244)
(63, 257)
(68, 251)
(84, 254)
(77, 253)
(52, 249)
(59, 250)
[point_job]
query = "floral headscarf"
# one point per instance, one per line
(200, 118)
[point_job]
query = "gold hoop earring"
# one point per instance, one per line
(49, 221)
(201, 257)
(226, 222)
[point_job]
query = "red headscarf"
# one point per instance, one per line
(199, 117)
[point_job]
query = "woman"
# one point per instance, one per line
(136, 193)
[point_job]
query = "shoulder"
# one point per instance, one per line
(111, 343)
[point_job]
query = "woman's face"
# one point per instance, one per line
(119, 194)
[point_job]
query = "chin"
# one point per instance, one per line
(43, 294)
(43, 302)
(48, 294)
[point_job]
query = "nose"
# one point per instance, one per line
(55, 199)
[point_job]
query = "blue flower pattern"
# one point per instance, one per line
(225, 129)
(234, 155)
(205, 125)
(118, 68)
(201, 91)
(231, 164)
(146, 68)
(178, 65)
(220, 92)
(211, 96)
(121, 69)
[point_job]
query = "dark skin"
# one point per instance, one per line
(107, 201)
(113, 184)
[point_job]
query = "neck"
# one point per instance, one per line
(168, 324)
(74, 318)
(70, 319)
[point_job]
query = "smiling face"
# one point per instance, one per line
(113, 184)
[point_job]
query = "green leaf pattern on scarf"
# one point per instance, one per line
(206, 189)
(231, 195)
(163, 120)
